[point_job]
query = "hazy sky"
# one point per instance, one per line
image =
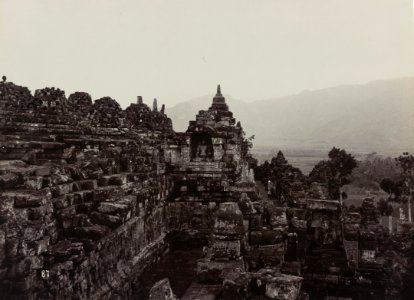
(176, 50)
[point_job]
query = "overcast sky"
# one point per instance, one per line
(176, 50)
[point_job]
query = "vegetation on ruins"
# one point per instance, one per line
(406, 162)
(394, 189)
(335, 172)
(384, 173)
(282, 180)
(372, 170)
(384, 207)
(89, 188)
(247, 143)
(399, 187)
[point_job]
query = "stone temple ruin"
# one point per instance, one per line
(92, 195)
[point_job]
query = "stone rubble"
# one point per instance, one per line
(90, 192)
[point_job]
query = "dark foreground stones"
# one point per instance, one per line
(89, 192)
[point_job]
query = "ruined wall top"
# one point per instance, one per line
(217, 120)
(50, 106)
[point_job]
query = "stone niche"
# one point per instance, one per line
(201, 147)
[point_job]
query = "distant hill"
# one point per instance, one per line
(377, 116)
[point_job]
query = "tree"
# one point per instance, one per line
(283, 177)
(4, 78)
(341, 164)
(384, 208)
(335, 172)
(394, 189)
(406, 162)
(262, 172)
(320, 172)
(373, 169)
(388, 185)
(247, 145)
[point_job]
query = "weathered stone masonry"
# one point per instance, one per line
(89, 192)
(83, 191)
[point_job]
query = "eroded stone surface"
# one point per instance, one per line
(89, 193)
(162, 291)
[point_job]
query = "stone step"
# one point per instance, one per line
(74, 198)
(27, 198)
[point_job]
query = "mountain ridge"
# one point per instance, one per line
(376, 116)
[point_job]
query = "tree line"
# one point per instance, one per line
(394, 176)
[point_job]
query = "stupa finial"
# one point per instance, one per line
(218, 90)
(154, 105)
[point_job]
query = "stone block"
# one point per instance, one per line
(292, 267)
(270, 256)
(352, 217)
(19, 268)
(67, 213)
(202, 291)
(107, 220)
(225, 249)
(266, 237)
(33, 232)
(280, 286)
(88, 184)
(278, 217)
(57, 179)
(33, 182)
(3, 272)
(103, 181)
(65, 249)
(228, 220)
(112, 208)
(102, 194)
(11, 247)
(236, 285)
(298, 224)
(315, 204)
(85, 207)
(94, 232)
(62, 189)
(2, 245)
(67, 223)
(118, 179)
(60, 202)
(8, 181)
(43, 171)
(161, 290)
(214, 271)
(38, 213)
(27, 200)
(36, 262)
(41, 246)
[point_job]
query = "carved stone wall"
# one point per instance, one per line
(89, 192)
(83, 194)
